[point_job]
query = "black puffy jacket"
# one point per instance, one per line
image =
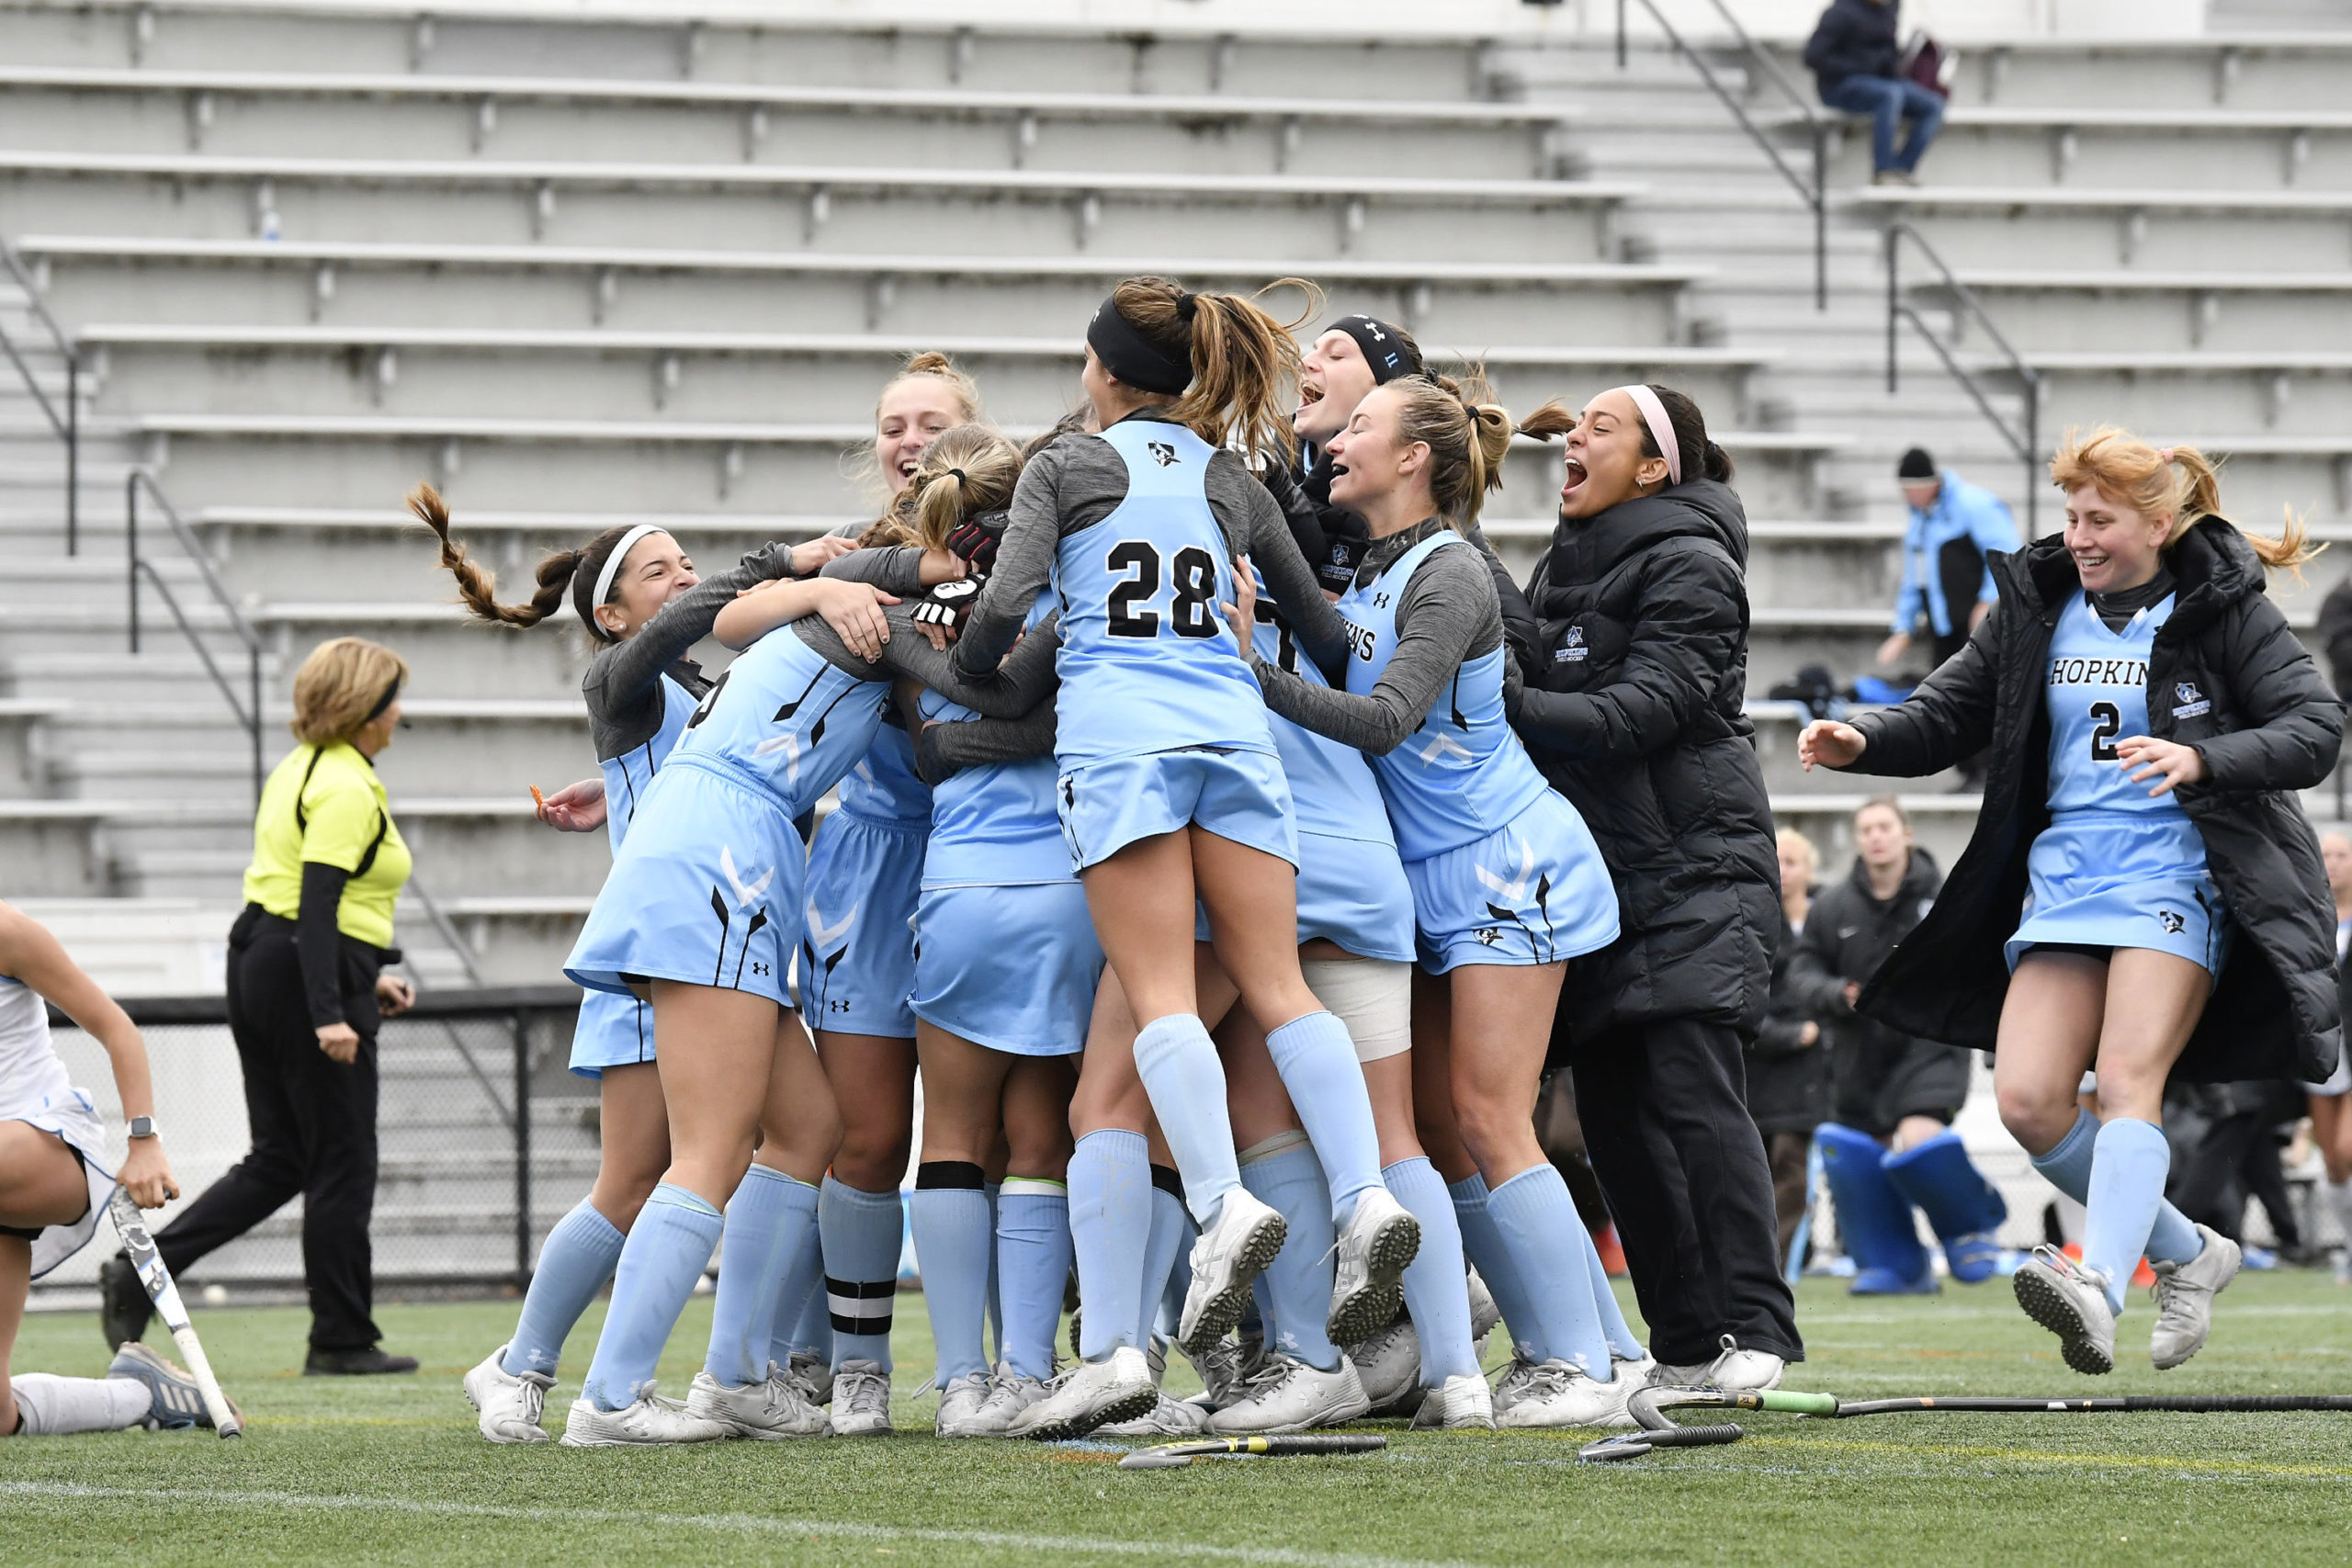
(1855, 38)
(1849, 933)
(1787, 1080)
(1632, 710)
(2266, 726)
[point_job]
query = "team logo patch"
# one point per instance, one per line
(2189, 702)
(1488, 936)
(2171, 922)
(1572, 649)
(1161, 453)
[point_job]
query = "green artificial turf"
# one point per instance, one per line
(389, 1470)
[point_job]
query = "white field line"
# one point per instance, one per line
(735, 1524)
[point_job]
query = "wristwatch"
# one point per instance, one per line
(142, 1127)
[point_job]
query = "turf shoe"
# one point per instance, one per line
(648, 1423)
(368, 1361)
(1389, 1363)
(1287, 1395)
(1556, 1393)
(811, 1373)
(861, 1400)
(963, 1407)
(2185, 1293)
(1010, 1394)
(1223, 1368)
(175, 1400)
(1484, 1314)
(509, 1405)
(1227, 1259)
(124, 1308)
(2071, 1302)
(1379, 1243)
(1460, 1401)
(1168, 1418)
(768, 1410)
(1734, 1371)
(1092, 1395)
(1512, 1383)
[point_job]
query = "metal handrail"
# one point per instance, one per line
(2024, 439)
(67, 425)
(248, 709)
(1815, 191)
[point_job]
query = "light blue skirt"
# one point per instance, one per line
(2123, 879)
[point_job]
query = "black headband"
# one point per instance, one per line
(1385, 349)
(1134, 358)
(383, 702)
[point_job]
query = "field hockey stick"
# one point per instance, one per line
(1174, 1456)
(1649, 1408)
(132, 1225)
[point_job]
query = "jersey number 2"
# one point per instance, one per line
(2103, 733)
(1192, 611)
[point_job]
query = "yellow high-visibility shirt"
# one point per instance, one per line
(326, 804)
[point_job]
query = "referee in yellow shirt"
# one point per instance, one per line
(306, 993)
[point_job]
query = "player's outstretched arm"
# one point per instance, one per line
(1946, 720)
(31, 954)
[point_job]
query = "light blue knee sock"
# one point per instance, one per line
(1110, 1229)
(2171, 1239)
(863, 1233)
(803, 1319)
(1179, 1066)
(994, 1298)
(1033, 1249)
(1171, 1230)
(1537, 1219)
(771, 1226)
(1622, 1343)
(1284, 1174)
(954, 1246)
(666, 1252)
(1319, 1065)
(575, 1262)
(2129, 1165)
(1483, 1245)
(1437, 1286)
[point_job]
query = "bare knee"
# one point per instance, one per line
(2036, 1117)
(870, 1154)
(621, 1190)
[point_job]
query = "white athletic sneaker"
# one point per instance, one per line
(1484, 1314)
(1285, 1395)
(962, 1406)
(1090, 1394)
(770, 1409)
(1168, 1418)
(2071, 1302)
(1733, 1372)
(1388, 1363)
(1010, 1394)
(1226, 1258)
(1223, 1368)
(1459, 1401)
(510, 1406)
(2185, 1293)
(1380, 1239)
(1642, 1369)
(650, 1421)
(861, 1400)
(1513, 1383)
(1557, 1394)
(811, 1373)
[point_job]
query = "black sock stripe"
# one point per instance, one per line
(1164, 1178)
(959, 1175)
(862, 1289)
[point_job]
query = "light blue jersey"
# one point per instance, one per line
(786, 719)
(1462, 774)
(1331, 786)
(631, 774)
(1147, 661)
(882, 787)
(995, 826)
(2098, 695)
(857, 943)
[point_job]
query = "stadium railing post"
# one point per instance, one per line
(519, 1028)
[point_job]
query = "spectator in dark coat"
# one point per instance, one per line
(1856, 58)
(1788, 1071)
(2335, 634)
(1634, 711)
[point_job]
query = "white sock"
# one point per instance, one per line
(53, 1406)
(2339, 1197)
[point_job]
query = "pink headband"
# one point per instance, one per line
(1661, 428)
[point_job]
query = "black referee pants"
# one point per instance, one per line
(313, 1126)
(1665, 1113)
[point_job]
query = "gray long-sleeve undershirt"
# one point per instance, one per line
(1446, 614)
(623, 685)
(1080, 480)
(1024, 680)
(947, 747)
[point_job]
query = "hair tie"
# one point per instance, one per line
(958, 473)
(2165, 454)
(1186, 303)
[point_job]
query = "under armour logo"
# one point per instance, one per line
(1380, 600)
(833, 1006)
(1161, 453)
(2171, 922)
(757, 967)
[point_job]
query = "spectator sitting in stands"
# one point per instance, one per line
(1856, 61)
(1788, 1073)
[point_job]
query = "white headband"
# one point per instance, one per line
(1661, 428)
(612, 569)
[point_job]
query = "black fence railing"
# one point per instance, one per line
(467, 1168)
(2021, 435)
(66, 422)
(140, 568)
(1813, 189)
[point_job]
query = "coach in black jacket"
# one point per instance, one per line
(2272, 726)
(1634, 711)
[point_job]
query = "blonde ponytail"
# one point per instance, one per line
(1467, 432)
(2177, 479)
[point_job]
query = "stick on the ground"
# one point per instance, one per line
(171, 1309)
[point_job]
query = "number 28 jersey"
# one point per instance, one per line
(2099, 694)
(1147, 661)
